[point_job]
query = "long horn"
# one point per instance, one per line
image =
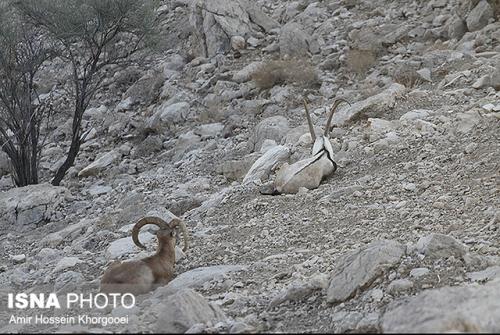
(336, 103)
(185, 235)
(142, 222)
(309, 122)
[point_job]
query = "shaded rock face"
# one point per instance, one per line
(215, 22)
(360, 268)
(32, 204)
(450, 309)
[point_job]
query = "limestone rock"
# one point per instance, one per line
(125, 245)
(209, 130)
(456, 27)
(235, 169)
(184, 309)
(71, 231)
(245, 74)
(174, 113)
(147, 88)
(215, 22)
(380, 102)
(68, 281)
(296, 43)
(440, 246)
(273, 128)
(449, 309)
(100, 164)
(31, 204)
(479, 16)
(262, 167)
(358, 269)
(196, 278)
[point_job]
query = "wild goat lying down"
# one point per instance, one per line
(311, 171)
(141, 276)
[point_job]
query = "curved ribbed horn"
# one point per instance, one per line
(309, 121)
(336, 103)
(177, 222)
(142, 222)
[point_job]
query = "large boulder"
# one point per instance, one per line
(182, 310)
(196, 278)
(479, 16)
(147, 88)
(372, 106)
(440, 246)
(33, 204)
(262, 167)
(215, 22)
(359, 269)
(272, 128)
(295, 42)
(447, 310)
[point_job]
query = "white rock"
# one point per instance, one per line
(21, 258)
(489, 273)
(262, 167)
(124, 105)
(425, 74)
(66, 263)
(419, 272)
(399, 285)
(210, 130)
(238, 42)
(245, 74)
(489, 107)
(266, 145)
(174, 113)
(124, 246)
(100, 164)
(415, 115)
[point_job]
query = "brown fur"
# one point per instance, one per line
(141, 276)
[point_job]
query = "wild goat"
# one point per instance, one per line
(143, 275)
(311, 171)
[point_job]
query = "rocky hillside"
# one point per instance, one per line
(404, 236)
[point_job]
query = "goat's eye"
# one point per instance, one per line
(172, 233)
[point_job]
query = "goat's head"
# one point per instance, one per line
(328, 126)
(323, 142)
(167, 234)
